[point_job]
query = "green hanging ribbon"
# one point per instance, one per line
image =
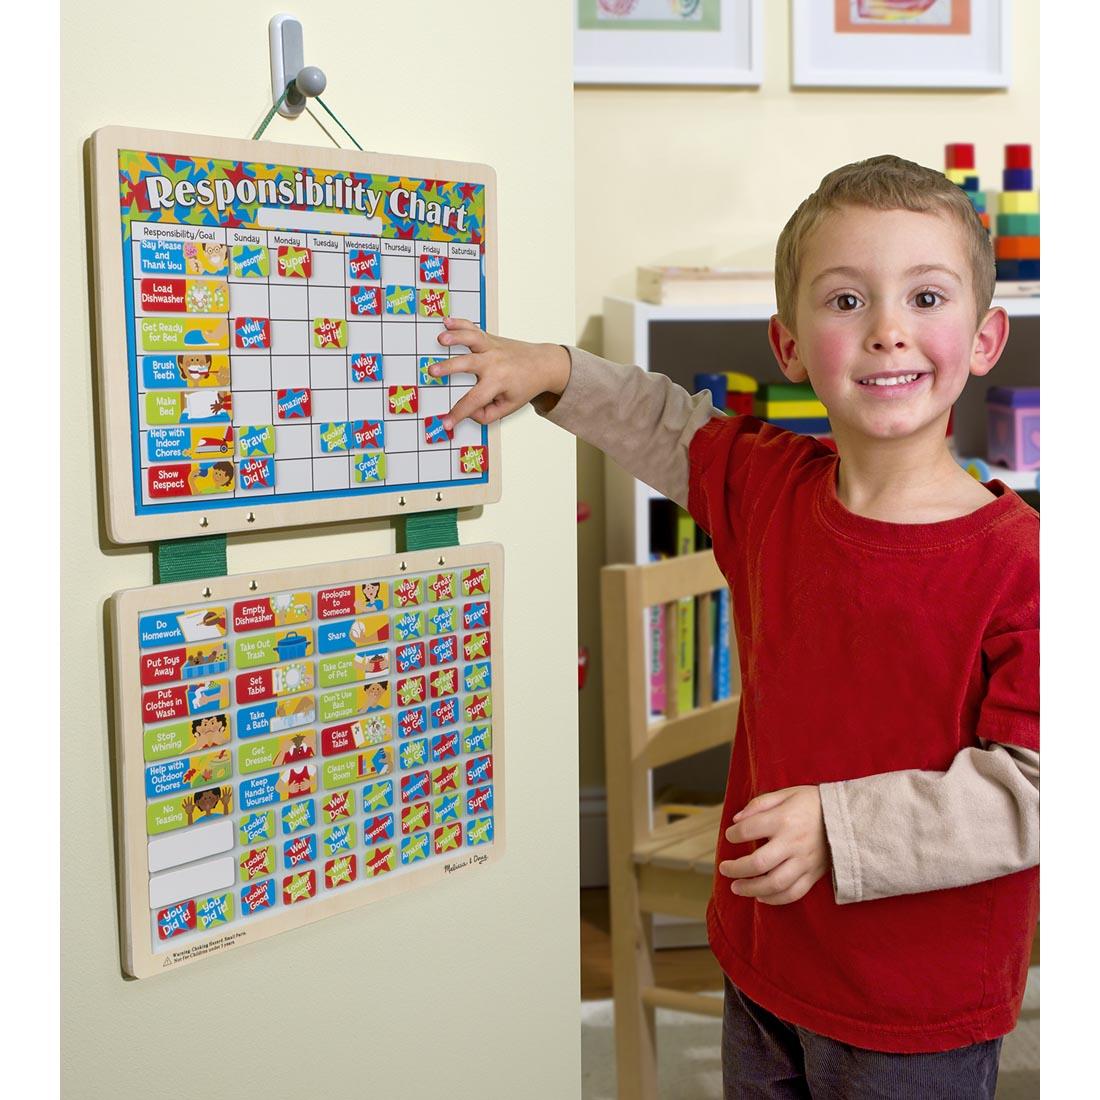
(188, 559)
(427, 530)
(340, 124)
(279, 102)
(271, 114)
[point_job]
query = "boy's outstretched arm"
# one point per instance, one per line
(645, 422)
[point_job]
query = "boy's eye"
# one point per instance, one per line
(846, 302)
(926, 299)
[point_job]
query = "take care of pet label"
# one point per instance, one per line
(268, 330)
(296, 743)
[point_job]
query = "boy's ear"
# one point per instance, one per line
(989, 342)
(785, 349)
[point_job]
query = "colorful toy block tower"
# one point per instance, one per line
(793, 406)
(961, 170)
(1017, 241)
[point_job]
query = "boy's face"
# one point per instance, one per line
(886, 296)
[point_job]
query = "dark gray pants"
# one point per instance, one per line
(764, 1058)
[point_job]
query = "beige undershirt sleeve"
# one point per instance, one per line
(643, 421)
(897, 833)
(910, 831)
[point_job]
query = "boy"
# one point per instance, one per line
(886, 607)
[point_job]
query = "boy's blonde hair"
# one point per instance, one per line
(882, 183)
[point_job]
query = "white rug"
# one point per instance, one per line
(690, 1068)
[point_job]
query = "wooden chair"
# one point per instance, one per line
(665, 868)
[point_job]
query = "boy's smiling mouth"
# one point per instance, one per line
(892, 380)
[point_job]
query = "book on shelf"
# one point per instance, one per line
(658, 656)
(722, 686)
(1009, 289)
(684, 667)
(705, 286)
(688, 639)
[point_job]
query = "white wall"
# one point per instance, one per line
(468, 988)
(697, 176)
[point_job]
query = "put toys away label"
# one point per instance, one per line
(315, 741)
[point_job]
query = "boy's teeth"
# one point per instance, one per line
(890, 381)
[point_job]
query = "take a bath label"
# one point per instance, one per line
(309, 742)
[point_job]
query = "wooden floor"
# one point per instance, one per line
(693, 969)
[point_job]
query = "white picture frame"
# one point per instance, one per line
(948, 44)
(661, 42)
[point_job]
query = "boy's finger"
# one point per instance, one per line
(458, 364)
(459, 322)
(797, 890)
(463, 333)
(753, 828)
(467, 405)
(774, 882)
(766, 858)
(762, 802)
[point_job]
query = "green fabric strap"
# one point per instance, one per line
(188, 559)
(427, 530)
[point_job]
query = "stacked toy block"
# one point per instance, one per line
(1017, 241)
(961, 170)
(793, 406)
(729, 390)
(1013, 426)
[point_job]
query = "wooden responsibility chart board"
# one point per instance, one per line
(267, 318)
(296, 743)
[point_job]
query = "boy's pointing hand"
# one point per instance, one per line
(795, 853)
(509, 372)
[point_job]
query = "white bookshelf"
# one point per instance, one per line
(734, 337)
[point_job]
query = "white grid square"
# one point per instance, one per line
(328, 269)
(252, 408)
(466, 304)
(398, 339)
(293, 475)
(329, 405)
(401, 435)
(289, 371)
(289, 303)
(365, 403)
(290, 337)
(248, 300)
(401, 469)
(332, 472)
(399, 269)
(327, 301)
(291, 440)
(364, 336)
(328, 373)
(464, 275)
(435, 463)
(250, 372)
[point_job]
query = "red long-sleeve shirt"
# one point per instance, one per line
(869, 647)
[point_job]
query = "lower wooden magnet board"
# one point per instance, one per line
(297, 743)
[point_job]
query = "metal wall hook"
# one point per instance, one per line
(289, 72)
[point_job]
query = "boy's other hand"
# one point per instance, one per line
(509, 372)
(796, 852)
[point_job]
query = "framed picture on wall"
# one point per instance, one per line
(900, 43)
(714, 42)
